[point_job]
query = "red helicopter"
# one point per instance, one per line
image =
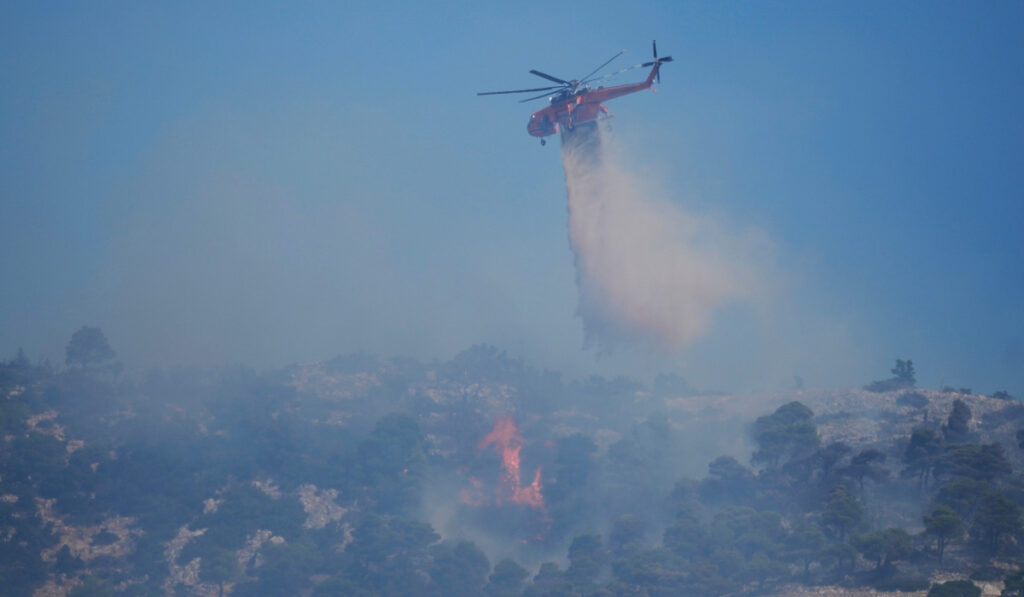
(576, 101)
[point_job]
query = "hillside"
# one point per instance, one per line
(483, 475)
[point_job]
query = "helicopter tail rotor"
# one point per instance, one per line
(657, 61)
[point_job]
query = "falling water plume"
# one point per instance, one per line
(646, 270)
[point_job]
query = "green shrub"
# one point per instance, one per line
(903, 584)
(955, 588)
(988, 573)
(913, 400)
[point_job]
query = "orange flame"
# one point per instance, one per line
(507, 442)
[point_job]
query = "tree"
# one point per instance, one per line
(997, 517)
(903, 377)
(587, 558)
(392, 463)
(945, 525)
(838, 554)
(20, 361)
(885, 547)
(786, 433)
(805, 544)
(828, 458)
(957, 427)
(627, 535)
(728, 482)
(961, 495)
(865, 466)
(650, 571)
(842, 511)
(973, 461)
(218, 567)
(506, 579)
(904, 371)
(763, 569)
(749, 531)
(684, 497)
(67, 564)
(458, 570)
(685, 537)
(88, 346)
(573, 467)
(388, 555)
(286, 569)
(921, 454)
(548, 581)
(1013, 584)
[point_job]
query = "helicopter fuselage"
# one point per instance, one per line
(568, 109)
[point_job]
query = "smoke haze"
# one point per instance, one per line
(259, 192)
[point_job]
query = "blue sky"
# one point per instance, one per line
(227, 182)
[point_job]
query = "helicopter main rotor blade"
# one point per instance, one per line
(530, 99)
(519, 90)
(548, 77)
(614, 74)
(606, 62)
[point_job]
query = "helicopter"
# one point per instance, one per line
(576, 101)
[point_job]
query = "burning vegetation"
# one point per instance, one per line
(508, 443)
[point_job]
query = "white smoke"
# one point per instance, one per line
(647, 270)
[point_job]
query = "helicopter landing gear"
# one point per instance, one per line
(543, 142)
